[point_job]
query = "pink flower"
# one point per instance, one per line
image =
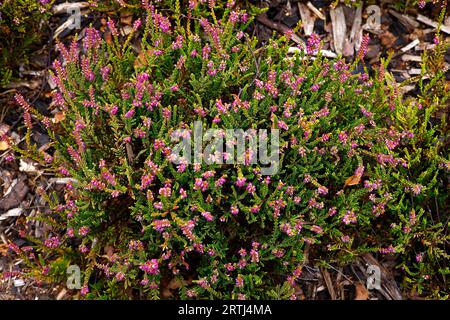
(419, 257)
(112, 26)
(436, 40)
(250, 188)
(254, 254)
(282, 125)
(364, 46)
(239, 281)
(165, 192)
(83, 231)
(349, 217)
(158, 205)
(150, 267)
(84, 290)
(183, 193)
(70, 232)
(200, 184)
(52, 242)
(313, 44)
(255, 209)
(208, 216)
(129, 114)
(136, 24)
(387, 250)
(120, 276)
(161, 225)
(322, 190)
(332, 212)
(240, 182)
(135, 245)
(316, 229)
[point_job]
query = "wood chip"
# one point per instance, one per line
(326, 53)
(18, 283)
(126, 30)
(316, 11)
(262, 18)
(415, 71)
(308, 19)
(432, 23)
(410, 57)
(408, 22)
(339, 28)
(14, 197)
(61, 294)
(32, 85)
(61, 180)
(70, 22)
(68, 7)
(361, 292)
(410, 46)
(126, 18)
(356, 33)
(326, 276)
(11, 213)
(406, 89)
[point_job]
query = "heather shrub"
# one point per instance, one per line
(360, 169)
(20, 28)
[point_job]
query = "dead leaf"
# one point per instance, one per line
(353, 180)
(59, 116)
(25, 166)
(174, 284)
(13, 198)
(388, 39)
(3, 249)
(165, 293)
(4, 128)
(141, 59)
(126, 19)
(4, 145)
(361, 292)
(109, 251)
(108, 37)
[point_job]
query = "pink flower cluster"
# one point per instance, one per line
(150, 267)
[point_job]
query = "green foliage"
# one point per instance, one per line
(361, 169)
(20, 29)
